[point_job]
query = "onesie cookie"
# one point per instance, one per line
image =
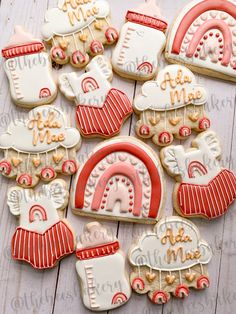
(142, 40)
(42, 237)
(122, 180)
(29, 71)
(172, 105)
(170, 260)
(77, 28)
(101, 268)
(203, 189)
(100, 109)
(203, 37)
(39, 147)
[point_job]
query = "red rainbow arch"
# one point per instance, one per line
(196, 11)
(145, 66)
(196, 165)
(88, 84)
(37, 209)
(156, 193)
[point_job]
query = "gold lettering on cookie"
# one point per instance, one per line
(173, 239)
(174, 254)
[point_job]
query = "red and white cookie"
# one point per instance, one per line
(101, 269)
(122, 180)
(203, 188)
(170, 260)
(42, 237)
(203, 37)
(101, 109)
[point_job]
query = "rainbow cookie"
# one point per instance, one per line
(101, 269)
(203, 37)
(121, 180)
(77, 28)
(203, 189)
(39, 147)
(170, 260)
(42, 237)
(171, 106)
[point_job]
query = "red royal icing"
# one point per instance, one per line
(146, 20)
(98, 251)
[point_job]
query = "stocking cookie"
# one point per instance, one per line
(203, 37)
(78, 28)
(28, 69)
(141, 43)
(170, 260)
(121, 180)
(101, 109)
(39, 147)
(172, 105)
(43, 237)
(101, 269)
(203, 188)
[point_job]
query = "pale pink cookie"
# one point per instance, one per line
(39, 147)
(122, 180)
(101, 110)
(171, 106)
(77, 28)
(203, 37)
(42, 237)
(142, 40)
(101, 268)
(29, 71)
(170, 260)
(203, 189)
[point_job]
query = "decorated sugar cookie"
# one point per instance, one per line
(203, 38)
(101, 109)
(39, 147)
(42, 237)
(121, 180)
(29, 71)
(141, 43)
(172, 105)
(101, 269)
(78, 28)
(170, 260)
(203, 187)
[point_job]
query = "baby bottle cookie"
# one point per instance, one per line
(170, 260)
(101, 269)
(78, 28)
(28, 68)
(142, 40)
(42, 237)
(101, 109)
(203, 189)
(172, 105)
(39, 147)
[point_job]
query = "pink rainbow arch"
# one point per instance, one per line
(196, 11)
(120, 169)
(145, 65)
(88, 83)
(196, 165)
(35, 210)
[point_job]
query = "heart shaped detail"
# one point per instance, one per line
(190, 277)
(170, 279)
(154, 120)
(98, 25)
(57, 158)
(16, 161)
(175, 121)
(150, 276)
(64, 44)
(83, 37)
(36, 162)
(194, 116)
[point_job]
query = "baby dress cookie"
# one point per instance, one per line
(142, 40)
(101, 109)
(101, 269)
(170, 260)
(29, 71)
(122, 180)
(203, 37)
(172, 105)
(39, 147)
(42, 237)
(78, 28)
(203, 189)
